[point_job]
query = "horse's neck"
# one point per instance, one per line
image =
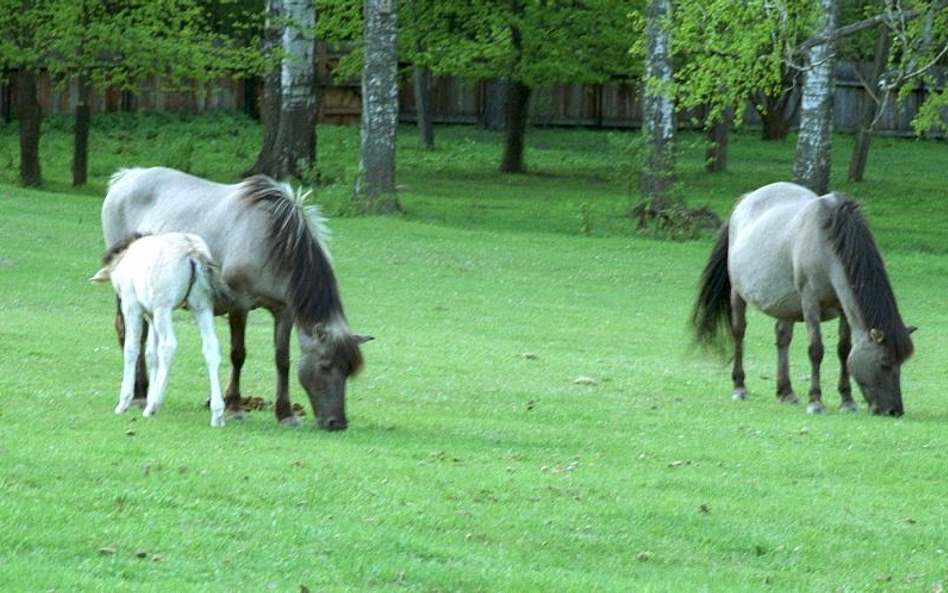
(848, 301)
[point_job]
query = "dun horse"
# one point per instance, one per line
(799, 257)
(271, 255)
(153, 275)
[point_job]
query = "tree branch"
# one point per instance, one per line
(865, 24)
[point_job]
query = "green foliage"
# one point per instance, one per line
(473, 461)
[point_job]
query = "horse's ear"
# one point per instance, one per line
(876, 335)
(911, 329)
(360, 339)
(101, 276)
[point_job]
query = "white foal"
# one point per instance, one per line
(153, 275)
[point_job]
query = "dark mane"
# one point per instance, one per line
(120, 247)
(852, 242)
(295, 251)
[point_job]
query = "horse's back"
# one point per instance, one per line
(159, 199)
(773, 229)
(156, 269)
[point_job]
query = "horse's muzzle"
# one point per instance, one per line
(332, 423)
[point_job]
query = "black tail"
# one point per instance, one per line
(712, 311)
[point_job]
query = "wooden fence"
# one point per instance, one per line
(610, 105)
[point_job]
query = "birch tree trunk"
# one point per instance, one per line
(270, 112)
(658, 113)
(375, 183)
(295, 144)
(811, 166)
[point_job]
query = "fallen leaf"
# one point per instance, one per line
(584, 380)
(704, 509)
(527, 356)
(157, 557)
(106, 551)
(644, 556)
(140, 553)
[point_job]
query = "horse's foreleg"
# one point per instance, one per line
(212, 356)
(141, 371)
(738, 325)
(845, 345)
(131, 346)
(811, 315)
(784, 332)
(283, 324)
(167, 344)
(237, 320)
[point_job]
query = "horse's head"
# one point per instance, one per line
(330, 357)
(877, 371)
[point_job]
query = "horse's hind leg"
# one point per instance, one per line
(845, 345)
(784, 331)
(167, 344)
(212, 356)
(237, 320)
(131, 346)
(141, 376)
(811, 315)
(738, 325)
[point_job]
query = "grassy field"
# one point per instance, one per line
(473, 461)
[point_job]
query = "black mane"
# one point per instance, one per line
(852, 242)
(295, 252)
(115, 250)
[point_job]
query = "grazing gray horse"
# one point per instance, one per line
(271, 255)
(800, 257)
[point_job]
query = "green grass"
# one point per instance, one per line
(468, 466)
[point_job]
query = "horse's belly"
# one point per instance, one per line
(766, 283)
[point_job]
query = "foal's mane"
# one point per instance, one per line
(296, 249)
(852, 242)
(113, 252)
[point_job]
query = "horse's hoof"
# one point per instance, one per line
(849, 408)
(139, 402)
(217, 421)
(789, 398)
(148, 412)
(240, 415)
(291, 421)
(120, 409)
(739, 394)
(814, 408)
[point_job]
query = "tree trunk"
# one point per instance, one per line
(80, 151)
(515, 127)
(30, 118)
(295, 144)
(716, 155)
(495, 102)
(270, 110)
(658, 114)
(6, 98)
(422, 79)
(375, 183)
(777, 111)
(857, 164)
(811, 167)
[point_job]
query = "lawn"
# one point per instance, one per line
(474, 461)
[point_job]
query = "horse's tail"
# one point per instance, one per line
(712, 311)
(207, 275)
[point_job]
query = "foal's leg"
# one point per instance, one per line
(132, 327)
(167, 344)
(283, 325)
(784, 331)
(237, 320)
(738, 325)
(151, 355)
(845, 345)
(141, 377)
(212, 355)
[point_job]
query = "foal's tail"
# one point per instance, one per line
(712, 311)
(208, 276)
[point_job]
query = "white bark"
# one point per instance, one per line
(299, 46)
(379, 103)
(658, 108)
(811, 166)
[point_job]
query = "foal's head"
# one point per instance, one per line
(330, 356)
